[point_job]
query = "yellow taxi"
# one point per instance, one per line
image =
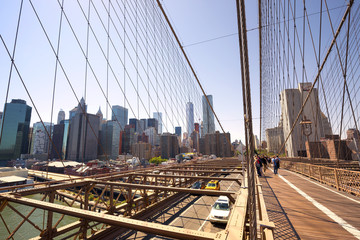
(213, 185)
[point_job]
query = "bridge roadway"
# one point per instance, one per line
(190, 212)
(302, 208)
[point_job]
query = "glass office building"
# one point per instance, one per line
(15, 130)
(189, 117)
(208, 116)
(120, 114)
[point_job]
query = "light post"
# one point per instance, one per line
(306, 130)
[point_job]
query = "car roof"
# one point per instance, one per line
(223, 199)
(213, 181)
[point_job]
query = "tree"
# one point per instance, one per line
(157, 160)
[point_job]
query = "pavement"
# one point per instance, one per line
(302, 208)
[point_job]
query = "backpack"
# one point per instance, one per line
(277, 162)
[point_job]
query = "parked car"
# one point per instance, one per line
(220, 211)
(213, 185)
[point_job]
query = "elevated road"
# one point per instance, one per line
(190, 212)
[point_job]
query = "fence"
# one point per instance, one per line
(342, 179)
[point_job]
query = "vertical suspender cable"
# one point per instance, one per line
(248, 115)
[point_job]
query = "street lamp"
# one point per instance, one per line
(306, 130)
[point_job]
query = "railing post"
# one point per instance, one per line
(320, 175)
(336, 179)
(309, 170)
(50, 217)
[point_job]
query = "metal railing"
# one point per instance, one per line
(343, 179)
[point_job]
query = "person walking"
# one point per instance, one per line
(276, 164)
(264, 164)
(258, 165)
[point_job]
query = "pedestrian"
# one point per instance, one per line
(276, 164)
(264, 163)
(258, 165)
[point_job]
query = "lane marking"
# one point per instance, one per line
(354, 231)
(202, 225)
(331, 190)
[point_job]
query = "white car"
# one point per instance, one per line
(220, 211)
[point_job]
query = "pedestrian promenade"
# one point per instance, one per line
(305, 209)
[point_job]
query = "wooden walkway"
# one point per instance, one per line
(317, 212)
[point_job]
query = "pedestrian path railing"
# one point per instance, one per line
(343, 179)
(265, 226)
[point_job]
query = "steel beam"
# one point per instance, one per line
(171, 189)
(191, 177)
(148, 227)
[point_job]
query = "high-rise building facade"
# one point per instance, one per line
(1, 113)
(189, 117)
(128, 138)
(169, 145)
(291, 101)
(58, 140)
(83, 137)
(141, 150)
(152, 134)
(61, 116)
(152, 122)
(101, 117)
(178, 131)
(65, 138)
(15, 130)
(120, 114)
(142, 125)
(40, 138)
(80, 108)
(135, 123)
(110, 139)
(158, 117)
(218, 144)
(208, 116)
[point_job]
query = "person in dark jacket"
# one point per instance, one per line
(258, 165)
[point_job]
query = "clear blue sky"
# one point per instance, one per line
(217, 63)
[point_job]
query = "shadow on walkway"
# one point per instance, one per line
(283, 227)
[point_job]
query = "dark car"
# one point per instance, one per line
(198, 185)
(225, 172)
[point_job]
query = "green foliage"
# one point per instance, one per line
(157, 160)
(91, 197)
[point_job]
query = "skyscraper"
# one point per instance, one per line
(101, 117)
(158, 117)
(15, 130)
(80, 108)
(1, 113)
(110, 139)
(142, 125)
(291, 101)
(178, 131)
(189, 117)
(61, 116)
(135, 123)
(58, 140)
(152, 122)
(169, 145)
(208, 116)
(40, 138)
(120, 114)
(83, 137)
